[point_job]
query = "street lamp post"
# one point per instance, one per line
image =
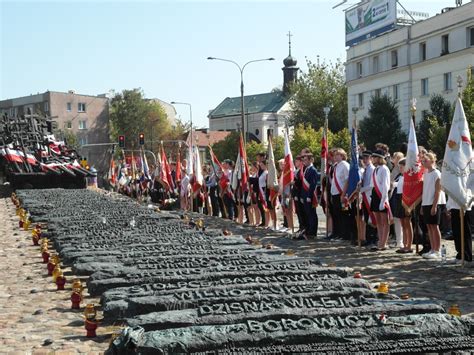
(241, 69)
(190, 116)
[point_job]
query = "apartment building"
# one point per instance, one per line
(85, 116)
(413, 61)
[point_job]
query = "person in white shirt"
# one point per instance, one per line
(431, 198)
(367, 230)
(379, 202)
(339, 184)
(400, 213)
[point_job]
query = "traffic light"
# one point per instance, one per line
(141, 139)
(122, 141)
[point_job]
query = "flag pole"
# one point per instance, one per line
(324, 169)
(461, 216)
(415, 227)
(359, 242)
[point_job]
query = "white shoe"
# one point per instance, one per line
(426, 254)
(453, 261)
(433, 255)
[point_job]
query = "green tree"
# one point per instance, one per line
(228, 147)
(432, 123)
(253, 148)
(382, 125)
(69, 138)
(468, 100)
(323, 85)
(307, 137)
(441, 109)
(132, 114)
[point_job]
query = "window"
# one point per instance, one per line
(394, 56)
(422, 51)
(28, 110)
(444, 44)
(424, 87)
(396, 92)
(69, 125)
(378, 92)
(82, 140)
(257, 132)
(12, 112)
(470, 36)
(81, 107)
(68, 107)
(447, 81)
(359, 69)
(82, 124)
(46, 106)
(375, 64)
(361, 100)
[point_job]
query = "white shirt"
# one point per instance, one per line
(400, 185)
(367, 184)
(451, 204)
(262, 179)
(429, 187)
(341, 173)
(382, 177)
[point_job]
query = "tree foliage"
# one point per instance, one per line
(468, 100)
(323, 85)
(228, 147)
(132, 114)
(382, 125)
(308, 137)
(441, 109)
(431, 131)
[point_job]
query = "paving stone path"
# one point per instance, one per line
(35, 318)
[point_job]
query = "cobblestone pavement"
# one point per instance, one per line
(37, 319)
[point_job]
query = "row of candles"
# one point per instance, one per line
(53, 265)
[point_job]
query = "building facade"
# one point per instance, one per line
(84, 116)
(412, 62)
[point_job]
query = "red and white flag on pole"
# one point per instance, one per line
(219, 171)
(289, 169)
(413, 176)
(165, 173)
(272, 178)
(198, 178)
(244, 166)
(112, 174)
(457, 169)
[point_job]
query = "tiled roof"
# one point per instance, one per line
(269, 102)
(205, 138)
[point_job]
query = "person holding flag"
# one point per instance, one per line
(379, 201)
(340, 202)
(457, 180)
(272, 184)
(287, 178)
(353, 188)
(368, 223)
(308, 194)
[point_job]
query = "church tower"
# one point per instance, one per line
(290, 70)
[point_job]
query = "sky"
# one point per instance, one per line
(93, 47)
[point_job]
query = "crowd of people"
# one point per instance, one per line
(368, 217)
